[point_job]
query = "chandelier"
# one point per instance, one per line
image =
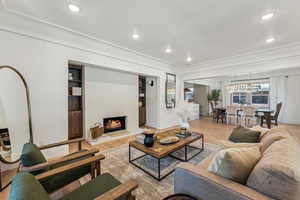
(248, 85)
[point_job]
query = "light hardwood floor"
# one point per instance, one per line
(212, 133)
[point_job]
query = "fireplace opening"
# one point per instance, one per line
(114, 124)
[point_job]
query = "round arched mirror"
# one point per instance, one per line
(15, 116)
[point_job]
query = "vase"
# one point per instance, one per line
(149, 140)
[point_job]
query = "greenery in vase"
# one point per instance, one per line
(214, 95)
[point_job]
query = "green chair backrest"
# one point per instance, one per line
(26, 187)
(31, 155)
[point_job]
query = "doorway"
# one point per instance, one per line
(148, 101)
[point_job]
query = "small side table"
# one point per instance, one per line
(180, 197)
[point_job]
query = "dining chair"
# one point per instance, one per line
(232, 114)
(274, 118)
(33, 161)
(248, 116)
(214, 112)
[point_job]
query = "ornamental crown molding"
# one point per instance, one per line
(275, 54)
(80, 34)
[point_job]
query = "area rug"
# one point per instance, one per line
(117, 164)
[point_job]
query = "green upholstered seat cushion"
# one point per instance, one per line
(244, 135)
(26, 187)
(60, 180)
(94, 188)
(31, 155)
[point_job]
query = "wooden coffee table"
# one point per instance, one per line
(160, 151)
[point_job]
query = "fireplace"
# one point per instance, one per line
(114, 124)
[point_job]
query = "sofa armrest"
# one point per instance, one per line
(199, 182)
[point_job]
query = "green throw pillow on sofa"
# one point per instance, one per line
(245, 135)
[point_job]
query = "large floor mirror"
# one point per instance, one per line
(15, 117)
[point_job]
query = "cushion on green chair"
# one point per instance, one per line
(60, 180)
(244, 135)
(94, 188)
(26, 187)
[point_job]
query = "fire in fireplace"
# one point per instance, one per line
(114, 124)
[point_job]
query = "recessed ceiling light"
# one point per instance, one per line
(270, 40)
(74, 8)
(168, 50)
(135, 36)
(189, 59)
(267, 16)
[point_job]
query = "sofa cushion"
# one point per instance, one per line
(224, 144)
(26, 187)
(244, 135)
(235, 163)
(274, 135)
(277, 174)
(262, 130)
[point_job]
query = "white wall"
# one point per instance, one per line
(110, 93)
(151, 102)
(41, 53)
(292, 100)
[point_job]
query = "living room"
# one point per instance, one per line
(132, 96)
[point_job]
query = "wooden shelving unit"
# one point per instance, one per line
(75, 101)
(142, 101)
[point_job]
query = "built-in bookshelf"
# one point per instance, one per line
(75, 101)
(142, 101)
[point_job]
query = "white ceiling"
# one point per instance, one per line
(205, 29)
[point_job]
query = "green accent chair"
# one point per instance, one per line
(33, 161)
(26, 187)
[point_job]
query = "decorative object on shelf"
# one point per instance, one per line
(149, 138)
(97, 130)
(76, 91)
(70, 76)
(170, 90)
(169, 140)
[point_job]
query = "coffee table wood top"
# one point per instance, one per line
(159, 151)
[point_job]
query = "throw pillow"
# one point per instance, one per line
(235, 163)
(262, 130)
(223, 144)
(244, 135)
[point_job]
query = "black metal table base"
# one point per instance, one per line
(159, 176)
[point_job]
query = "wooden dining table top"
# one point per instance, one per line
(264, 110)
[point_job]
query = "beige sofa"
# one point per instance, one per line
(275, 176)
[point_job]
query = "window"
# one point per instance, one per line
(189, 94)
(240, 98)
(260, 98)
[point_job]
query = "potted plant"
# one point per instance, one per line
(214, 96)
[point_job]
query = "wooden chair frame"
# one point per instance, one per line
(95, 169)
(115, 193)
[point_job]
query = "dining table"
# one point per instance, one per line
(262, 113)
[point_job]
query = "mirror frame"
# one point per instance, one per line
(166, 90)
(28, 108)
